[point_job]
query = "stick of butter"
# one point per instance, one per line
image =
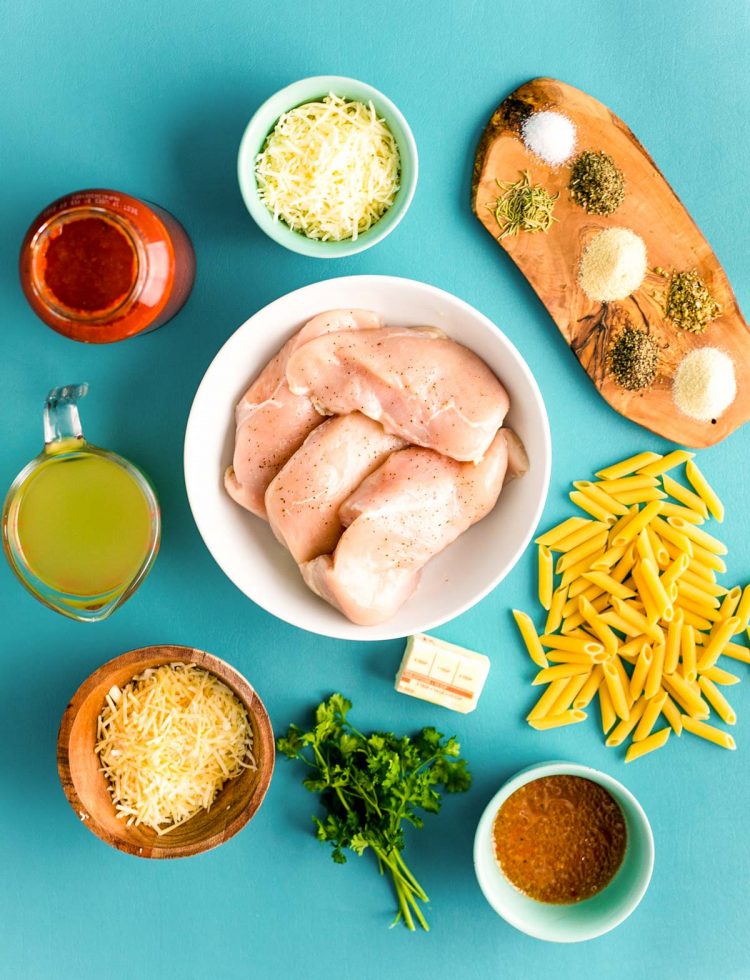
(442, 673)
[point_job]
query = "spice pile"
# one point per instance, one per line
(524, 206)
(689, 305)
(704, 384)
(549, 136)
(596, 184)
(633, 358)
(613, 265)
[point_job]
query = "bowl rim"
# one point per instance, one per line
(382, 632)
(563, 768)
(138, 658)
(294, 95)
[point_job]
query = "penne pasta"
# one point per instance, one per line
(601, 497)
(649, 575)
(582, 551)
(606, 709)
(627, 466)
(571, 717)
(656, 741)
(694, 593)
(585, 533)
(698, 536)
(743, 609)
(670, 535)
(616, 691)
(705, 614)
(559, 670)
(568, 693)
(691, 619)
(650, 715)
(644, 496)
(637, 522)
(608, 584)
(686, 513)
(668, 462)
(569, 657)
(576, 619)
(623, 485)
(530, 638)
(653, 680)
(624, 727)
(729, 605)
(683, 694)
(672, 643)
(641, 671)
(583, 587)
(737, 652)
(716, 699)
(705, 491)
(686, 497)
(613, 619)
(545, 576)
(711, 734)
(631, 614)
(720, 676)
(598, 627)
(707, 559)
(708, 584)
(578, 644)
(561, 530)
(660, 553)
(687, 652)
(632, 648)
(643, 546)
(545, 702)
(554, 616)
(608, 558)
(591, 507)
(673, 715)
(721, 634)
(575, 571)
(589, 689)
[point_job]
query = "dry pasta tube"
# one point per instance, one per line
(616, 690)
(581, 552)
(683, 694)
(606, 709)
(641, 671)
(720, 676)
(546, 576)
(729, 605)
(743, 609)
(672, 644)
(653, 681)
(634, 616)
(692, 619)
(623, 728)
(709, 732)
(571, 717)
(591, 506)
(698, 536)
(704, 490)
(643, 546)
(559, 670)
(686, 513)
(636, 523)
(662, 557)
(650, 716)
(627, 466)
(560, 531)
(721, 634)
(578, 644)
(609, 558)
(670, 535)
(594, 492)
(589, 689)
(718, 702)
(554, 616)
(708, 584)
(530, 638)
(608, 584)
(568, 693)
(546, 701)
(641, 496)
(656, 741)
(628, 483)
(704, 558)
(673, 715)
(694, 593)
(598, 627)
(690, 500)
(668, 462)
(648, 571)
(569, 657)
(687, 652)
(585, 533)
(737, 652)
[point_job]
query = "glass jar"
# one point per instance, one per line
(99, 266)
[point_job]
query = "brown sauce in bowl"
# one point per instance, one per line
(560, 839)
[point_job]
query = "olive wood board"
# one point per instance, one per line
(550, 261)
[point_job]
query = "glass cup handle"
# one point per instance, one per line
(61, 420)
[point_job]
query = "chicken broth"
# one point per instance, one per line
(560, 839)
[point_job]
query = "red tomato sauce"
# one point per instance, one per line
(90, 265)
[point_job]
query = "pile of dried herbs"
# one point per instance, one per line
(633, 358)
(523, 206)
(596, 184)
(689, 304)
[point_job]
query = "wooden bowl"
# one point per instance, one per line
(87, 788)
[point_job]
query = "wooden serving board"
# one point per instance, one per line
(652, 210)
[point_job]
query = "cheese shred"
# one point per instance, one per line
(168, 741)
(329, 169)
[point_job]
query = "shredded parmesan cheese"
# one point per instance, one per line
(329, 169)
(168, 741)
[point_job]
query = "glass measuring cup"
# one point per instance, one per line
(81, 525)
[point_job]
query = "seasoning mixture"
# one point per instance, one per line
(329, 169)
(704, 384)
(633, 359)
(523, 206)
(550, 136)
(168, 741)
(560, 839)
(613, 265)
(689, 304)
(596, 184)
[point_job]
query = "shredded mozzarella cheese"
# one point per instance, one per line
(329, 169)
(168, 741)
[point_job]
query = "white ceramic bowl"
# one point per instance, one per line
(244, 546)
(584, 920)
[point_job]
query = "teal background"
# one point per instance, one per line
(152, 98)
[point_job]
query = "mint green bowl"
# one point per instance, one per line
(310, 90)
(584, 920)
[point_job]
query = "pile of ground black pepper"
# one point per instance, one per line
(596, 184)
(633, 358)
(689, 304)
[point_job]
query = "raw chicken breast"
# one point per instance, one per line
(272, 423)
(416, 382)
(403, 514)
(303, 499)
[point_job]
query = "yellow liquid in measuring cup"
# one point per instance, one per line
(83, 525)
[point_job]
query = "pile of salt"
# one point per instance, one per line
(704, 384)
(550, 136)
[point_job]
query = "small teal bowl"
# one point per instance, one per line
(311, 90)
(584, 920)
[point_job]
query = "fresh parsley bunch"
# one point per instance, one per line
(370, 785)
